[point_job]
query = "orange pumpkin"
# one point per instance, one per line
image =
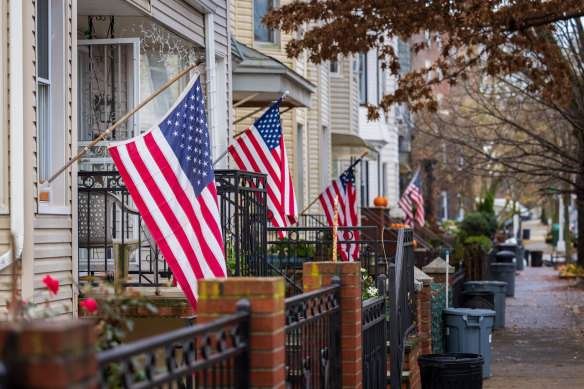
(380, 201)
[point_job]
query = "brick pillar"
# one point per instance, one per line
(320, 274)
(219, 297)
(49, 354)
(437, 270)
(423, 310)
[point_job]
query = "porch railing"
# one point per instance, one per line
(313, 338)
(374, 338)
(210, 355)
(305, 244)
(401, 302)
(112, 237)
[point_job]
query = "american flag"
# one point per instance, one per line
(413, 194)
(344, 187)
(261, 149)
(168, 172)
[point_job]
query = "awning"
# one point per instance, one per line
(260, 79)
(341, 139)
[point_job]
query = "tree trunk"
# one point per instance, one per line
(580, 208)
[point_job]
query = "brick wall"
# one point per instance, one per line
(49, 354)
(320, 274)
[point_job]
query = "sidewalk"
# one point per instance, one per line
(542, 345)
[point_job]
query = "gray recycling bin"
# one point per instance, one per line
(499, 288)
(519, 258)
(469, 331)
(504, 272)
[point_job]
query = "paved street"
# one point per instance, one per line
(542, 345)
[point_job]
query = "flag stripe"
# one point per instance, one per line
(261, 149)
(186, 210)
(156, 225)
(166, 207)
(168, 172)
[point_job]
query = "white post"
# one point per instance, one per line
(447, 266)
(561, 242)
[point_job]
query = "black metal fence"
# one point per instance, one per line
(307, 244)
(374, 338)
(210, 355)
(313, 338)
(242, 208)
(401, 302)
(113, 240)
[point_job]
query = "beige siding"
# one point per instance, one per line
(53, 234)
(182, 18)
(242, 29)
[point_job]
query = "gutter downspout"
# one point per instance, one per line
(211, 82)
(16, 115)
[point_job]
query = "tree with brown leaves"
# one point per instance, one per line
(535, 46)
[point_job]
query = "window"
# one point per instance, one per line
(51, 103)
(363, 79)
(381, 88)
(261, 33)
(325, 156)
(44, 89)
(444, 205)
(335, 67)
(364, 183)
(385, 172)
(300, 164)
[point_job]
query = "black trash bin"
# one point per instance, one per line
(505, 256)
(536, 258)
(478, 299)
(455, 370)
(526, 234)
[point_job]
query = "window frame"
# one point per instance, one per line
(362, 74)
(55, 139)
(275, 38)
(300, 164)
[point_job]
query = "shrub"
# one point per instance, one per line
(479, 223)
(482, 240)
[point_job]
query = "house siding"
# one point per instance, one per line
(53, 234)
(242, 29)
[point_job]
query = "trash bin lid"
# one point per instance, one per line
(496, 265)
(469, 312)
(490, 283)
(505, 253)
(450, 360)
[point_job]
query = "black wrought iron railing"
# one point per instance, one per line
(308, 244)
(112, 237)
(242, 209)
(374, 338)
(210, 355)
(313, 338)
(401, 302)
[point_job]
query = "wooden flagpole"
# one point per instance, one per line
(335, 227)
(123, 119)
(316, 199)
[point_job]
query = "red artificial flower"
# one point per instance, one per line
(89, 304)
(52, 284)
